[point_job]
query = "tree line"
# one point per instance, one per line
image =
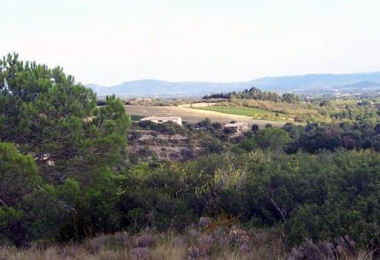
(256, 94)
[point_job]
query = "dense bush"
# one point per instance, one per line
(319, 197)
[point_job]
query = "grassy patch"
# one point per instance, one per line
(136, 117)
(244, 111)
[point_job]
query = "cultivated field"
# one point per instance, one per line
(244, 111)
(195, 115)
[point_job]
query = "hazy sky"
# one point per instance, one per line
(111, 41)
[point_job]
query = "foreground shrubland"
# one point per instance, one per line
(322, 197)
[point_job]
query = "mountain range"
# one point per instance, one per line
(328, 84)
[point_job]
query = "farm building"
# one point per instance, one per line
(158, 120)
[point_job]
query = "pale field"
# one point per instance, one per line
(195, 115)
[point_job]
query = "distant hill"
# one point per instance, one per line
(362, 85)
(311, 81)
(304, 84)
(157, 88)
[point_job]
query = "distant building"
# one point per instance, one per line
(239, 126)
(164, 119)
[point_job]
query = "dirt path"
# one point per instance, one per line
(195, 115)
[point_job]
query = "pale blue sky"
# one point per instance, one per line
(111, 41)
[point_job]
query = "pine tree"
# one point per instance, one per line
(49, 116)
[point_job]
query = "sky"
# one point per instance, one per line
(108, 42)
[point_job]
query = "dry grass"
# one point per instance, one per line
(201, 243)
(219, 243)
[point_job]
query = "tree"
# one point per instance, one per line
(255, 128)
(51, 117)
(18, 175)
(18, 178)
(272, 138)
(290, 98)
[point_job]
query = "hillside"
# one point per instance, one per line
(157, 88)
(311, 81)
(329, 84)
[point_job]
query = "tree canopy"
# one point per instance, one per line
(56, 145)
(56, 120)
